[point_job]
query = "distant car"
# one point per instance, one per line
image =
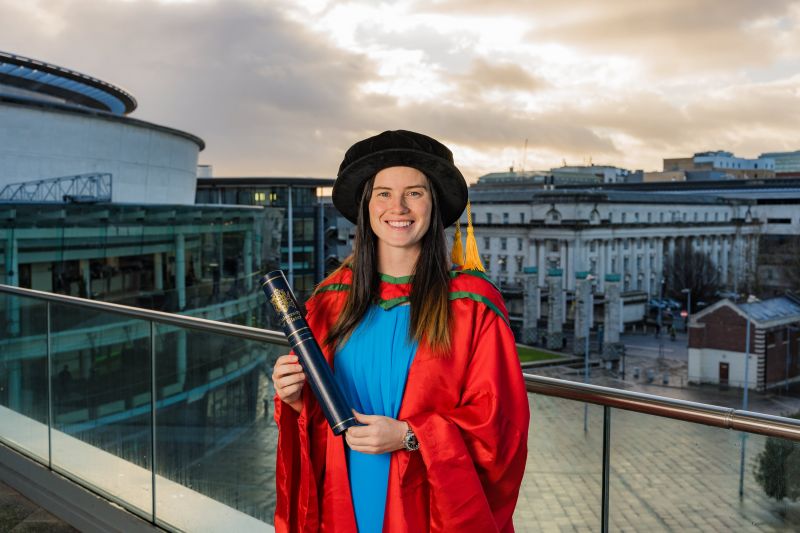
(659, 304)
(673, 304)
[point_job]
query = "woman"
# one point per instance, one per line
(424, 354)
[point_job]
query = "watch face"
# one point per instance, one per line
(411, 442)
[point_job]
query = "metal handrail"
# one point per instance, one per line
(183, 321)
(694, 412)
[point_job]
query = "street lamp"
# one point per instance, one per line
(750, 299)
(789, 330)
(587, 304)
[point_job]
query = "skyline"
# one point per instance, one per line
(284, 88)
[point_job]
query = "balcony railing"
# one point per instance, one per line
(174, 425)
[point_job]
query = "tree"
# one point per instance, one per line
(778, 468)
(691, 269)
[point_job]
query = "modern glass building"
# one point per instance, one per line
(309, 236)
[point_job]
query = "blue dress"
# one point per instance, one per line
(372, 367)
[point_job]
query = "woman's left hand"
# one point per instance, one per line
(379, 434)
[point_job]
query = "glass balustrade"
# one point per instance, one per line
(24, 375)
(561, 487)
(102, 402)
(670, 475)
(214, 428)
(77, 391)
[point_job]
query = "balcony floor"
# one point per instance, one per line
(20, 515)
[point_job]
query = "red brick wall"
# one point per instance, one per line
(776, 355)
(724, 330)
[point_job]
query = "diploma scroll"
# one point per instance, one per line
(320, 377)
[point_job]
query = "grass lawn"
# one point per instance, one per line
(527, 355)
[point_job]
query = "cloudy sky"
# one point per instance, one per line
(283, 87)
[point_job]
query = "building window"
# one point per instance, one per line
(625, 244)
(610, 217)
(593, 245)
(501, 260)
(503, 242)
(661, 217)
(636, 217)
(705, 216)
(487, 261)
(522, 218)
(652, 262)
(716, 217)
(519, 259)
(505, 218)
(639, 244)
(626, 264)
(519, 244)
(652, 243)
(488, 218)
(593, 266)
(623, 217)
(695, 216)
(613, 264)
(649, 217)
(638, 263)
(260, 197)
(487, 243)
(613, 245)
(684, 216)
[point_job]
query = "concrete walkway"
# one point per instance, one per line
(20, 515)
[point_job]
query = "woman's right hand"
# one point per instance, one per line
(288, 378)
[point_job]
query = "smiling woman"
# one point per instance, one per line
(424, 354)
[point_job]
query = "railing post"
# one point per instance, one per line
(606, 466)
(49, 374)
(153, 406)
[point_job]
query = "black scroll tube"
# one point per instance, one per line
(320, 377)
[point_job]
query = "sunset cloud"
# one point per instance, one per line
(283, 88)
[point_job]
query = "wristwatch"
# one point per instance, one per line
(410, 442)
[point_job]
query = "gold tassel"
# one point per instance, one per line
(457, 254)
(473, 256)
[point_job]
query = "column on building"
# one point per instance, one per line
(634, 267)
(724, 260)
(612, 319)
(12, 278)
(86, 276)
(671, 245)
(555, 309)
(158, 271)
(541, 263)
(583, 311)
(180, 270)
(569, 271)
(621, 260)
(602, 254)
(646, 259)
(531, 303)
(248, 260)
(659, 266)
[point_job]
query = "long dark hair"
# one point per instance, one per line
(430, 311)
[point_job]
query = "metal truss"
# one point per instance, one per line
(83, 188)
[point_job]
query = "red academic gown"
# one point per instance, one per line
(469, 411)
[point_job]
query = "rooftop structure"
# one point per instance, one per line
(31, 78)
(722, 161)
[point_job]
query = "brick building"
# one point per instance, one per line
(717, 337)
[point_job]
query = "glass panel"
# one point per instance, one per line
(215, 437)
(561, 487)
(668, 475)
(23, 374)
(101, 402)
